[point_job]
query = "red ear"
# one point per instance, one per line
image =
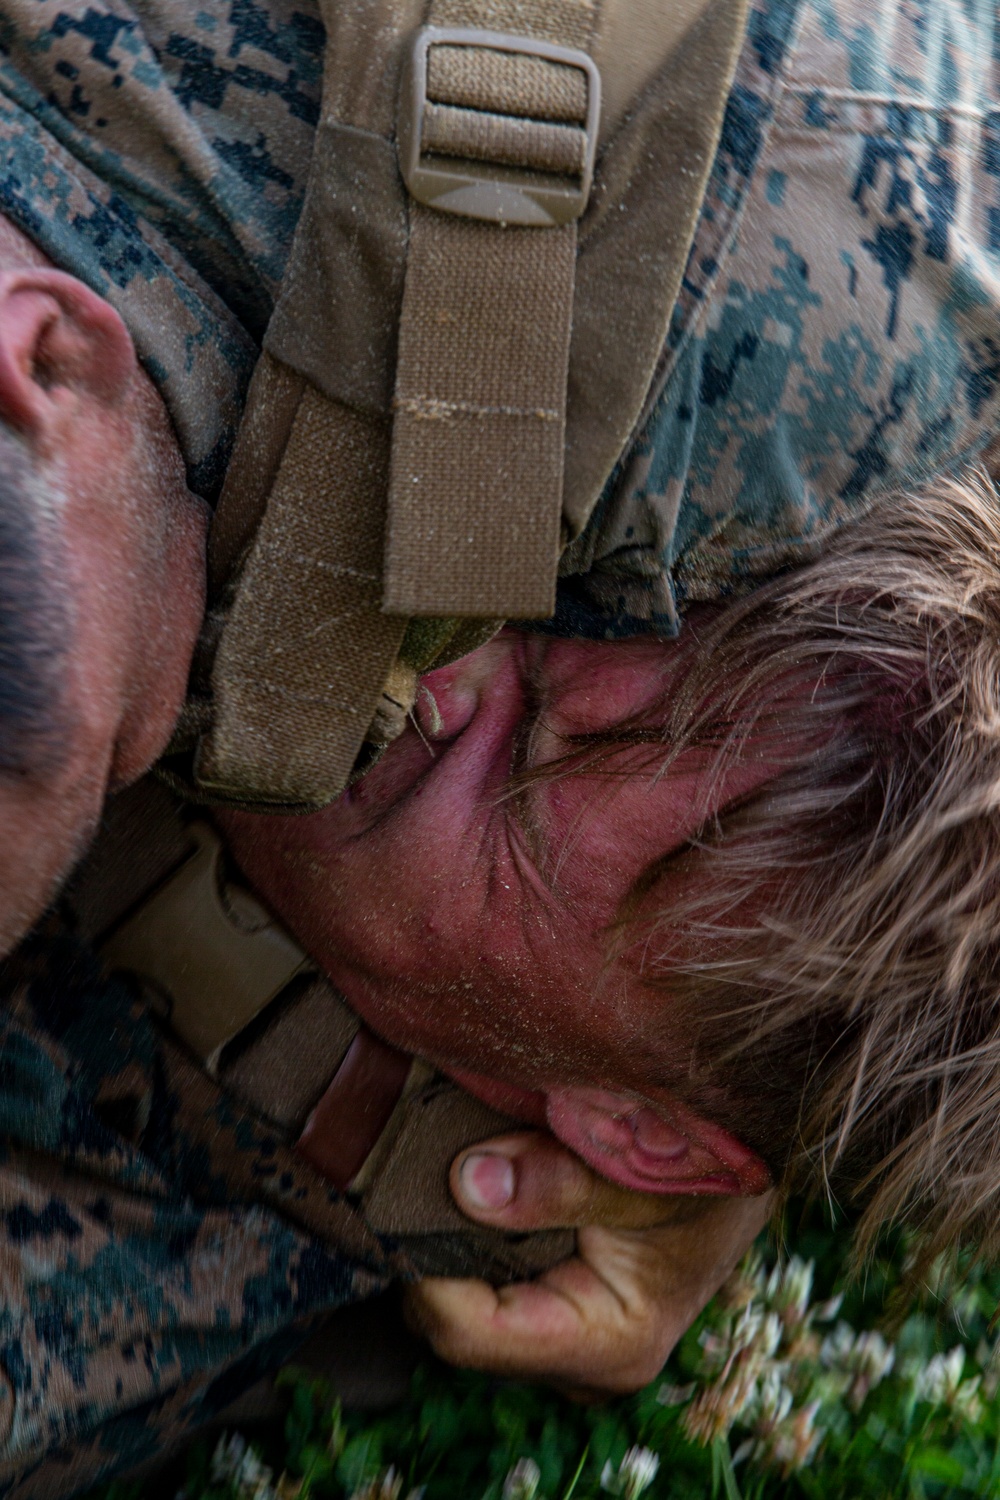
(55, 332)
(672, 1150)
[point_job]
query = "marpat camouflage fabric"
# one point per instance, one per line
(141, 1290)
(837, 336)
(838, 331)
(159, 151)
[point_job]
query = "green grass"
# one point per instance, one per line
(792, 1384)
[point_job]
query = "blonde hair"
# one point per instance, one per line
(834, 939)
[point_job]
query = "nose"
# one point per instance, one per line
(446, 703)
(449, 698)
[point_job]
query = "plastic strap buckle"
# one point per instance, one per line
(487, 187)
(209, 950)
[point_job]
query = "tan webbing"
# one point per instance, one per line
(307, 649)
(480, 411)
(478, 438)
(478, 414)
(518, 85)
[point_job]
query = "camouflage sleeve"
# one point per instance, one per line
(835, 337)
(160, 151)
(132, 1309)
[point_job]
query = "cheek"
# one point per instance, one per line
(602, 832)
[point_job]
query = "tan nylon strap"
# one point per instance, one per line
(569, 23)
(486, 137)
(301, 664)
(272, 402)
(479, 431)
(479, 436)
(515, 82)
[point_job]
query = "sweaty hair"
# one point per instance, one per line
(33, 622)
(833, 940)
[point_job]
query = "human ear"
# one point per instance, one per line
(671, 1149)
(57, 336)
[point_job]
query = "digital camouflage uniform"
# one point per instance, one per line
(145, 1282)
(836, 336)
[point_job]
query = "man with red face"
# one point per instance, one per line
(718, 914)
(105, 588)
(689, 905)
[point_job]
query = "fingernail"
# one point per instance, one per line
(487, 1180)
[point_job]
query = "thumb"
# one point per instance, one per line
(531, 1181)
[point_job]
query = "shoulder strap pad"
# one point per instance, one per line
(478, 293)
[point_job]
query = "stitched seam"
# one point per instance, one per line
(432, 410)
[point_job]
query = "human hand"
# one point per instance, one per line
(604, 1322)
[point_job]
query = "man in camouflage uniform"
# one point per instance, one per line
(834, 339)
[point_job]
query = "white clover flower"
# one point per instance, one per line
(873, 1357)
(967, 1402)
(860, 1360)
(939, 1379)
(795, 1439)
(638, 1469)
(709, 1417)
(747, 1327)
(837, 1347)
(770, 1335)
(634, 1475)
(794, 1287)
(774, 1399)
(238, 1465)
(387, 1486)
(825, 1312)
(766, 1368)
(522, 1480)
(940, 1382)
(720, 1404)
